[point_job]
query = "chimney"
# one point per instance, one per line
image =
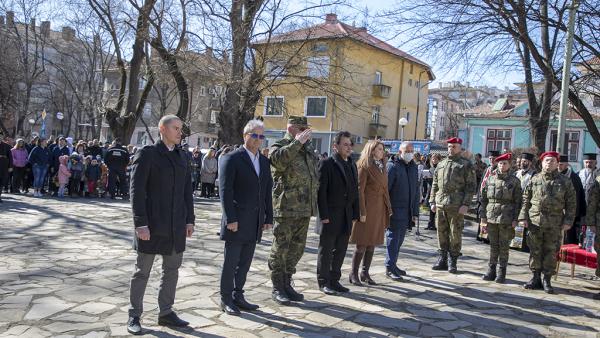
(32, 25)
(441, 85)
(468, 84)
(184, 44)
(209, 52)
(68, 34)
(331, 18)
(45, 29)
(362, 29)
(225, 56)
(10, 19)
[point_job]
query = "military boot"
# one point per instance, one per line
(452, 262)
(279, 295)
(535, 283)
(442, 263)
(501, 274)
(490, 275)
(292, 294)
(547, 285)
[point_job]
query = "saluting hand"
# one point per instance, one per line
(304, 136)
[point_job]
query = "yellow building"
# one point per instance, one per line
(341, 78)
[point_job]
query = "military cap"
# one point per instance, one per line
(589, 156)
(503, 157)
(298, 120)
(494, 153)
(454, 140)
(527, 156)
(551, 154)
(563, 158)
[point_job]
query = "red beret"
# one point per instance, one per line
(503, 157)
(550, 153)
(454, 140)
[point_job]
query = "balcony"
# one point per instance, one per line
(377, 130)
(380, 90)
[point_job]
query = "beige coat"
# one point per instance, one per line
(375, 204)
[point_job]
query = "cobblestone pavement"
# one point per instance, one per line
(66, 265)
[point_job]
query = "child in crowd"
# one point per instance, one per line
(92, 174)
(76, 167)
(63, 175)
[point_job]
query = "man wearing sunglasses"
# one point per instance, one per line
(294, 168)
(245, 186)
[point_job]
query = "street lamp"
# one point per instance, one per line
(402, 122)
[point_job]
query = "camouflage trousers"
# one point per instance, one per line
(544, 243)
(288, 244)
(500, 236)
(450, 225)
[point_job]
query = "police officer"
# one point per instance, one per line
(592, 216)
(296, 183)
(452, 190)
(549, 206)
(500, 205)
(117, 159)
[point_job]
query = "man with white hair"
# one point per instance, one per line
(163, 216)
(245, 186)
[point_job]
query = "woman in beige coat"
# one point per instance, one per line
(375, 210)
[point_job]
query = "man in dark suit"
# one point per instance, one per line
(572, 235)
(245, 185)
(163, 215)
(338, 208)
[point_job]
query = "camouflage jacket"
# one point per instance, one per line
(501, 198)
(593, 207)
(295, 178)
(549, 200)
(454, 182)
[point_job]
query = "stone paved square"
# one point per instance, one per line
(66, 265)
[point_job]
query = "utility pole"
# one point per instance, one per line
(564, 94)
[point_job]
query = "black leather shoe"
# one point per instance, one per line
(230, 308)
(172, 320)
(339, 287)
(242, 304)
(393, 275)
(328, 290)
(133, 326)
(400, 272)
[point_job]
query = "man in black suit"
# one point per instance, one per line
(163, 215)
(245, 185)
(338, 208)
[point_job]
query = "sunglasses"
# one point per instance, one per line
(257, 136)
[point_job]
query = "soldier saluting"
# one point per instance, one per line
(549, 206)
(296, 183)
(500, 205)
(452, 190)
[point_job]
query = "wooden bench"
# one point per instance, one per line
(573, 254)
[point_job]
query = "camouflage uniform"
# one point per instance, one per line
(548, 203)
(294, 169)
(500, 204)
(593, 215)
(453, 186)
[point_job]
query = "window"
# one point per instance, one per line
(596, 101)
(276, 69)
(142, 84)
(274, 106)
(408, 116)
(142, 139)
(375, 114)
(214, 116)
(316, 143)
(318, 67)
(378, 79)
(411, 68)
(319, 47)
(202, 91)
(498, 139)
(315, 106)
(571, 144)
(147, 109)
(410, 82)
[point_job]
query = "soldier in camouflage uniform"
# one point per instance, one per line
(500, 206)
(592, 217)
(549, 204)
(452, 190)
(294, 169)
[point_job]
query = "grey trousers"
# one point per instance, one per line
(168, 282)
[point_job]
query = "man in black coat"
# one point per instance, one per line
(245, 185)
(572, 235)
(5, 163)
(163, 215)
(117, 159)
(338, 208)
